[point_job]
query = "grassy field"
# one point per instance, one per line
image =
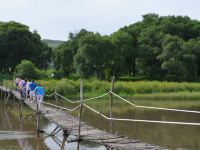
(149, 93)
(145, 90)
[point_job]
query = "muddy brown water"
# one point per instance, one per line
(171, 136)
(21, 135)
(16, 135)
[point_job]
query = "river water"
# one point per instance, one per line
(171, 136)
(21, 135)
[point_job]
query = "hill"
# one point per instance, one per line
(52, 43)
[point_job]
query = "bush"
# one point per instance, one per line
(64, 87)
(42, 74)
(26, 69)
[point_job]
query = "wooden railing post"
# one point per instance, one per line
(111, 101)
(56, 97)
(21, 110)
(37, 116)
(81, 107)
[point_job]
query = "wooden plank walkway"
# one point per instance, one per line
(88, 133)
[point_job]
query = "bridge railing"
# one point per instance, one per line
(130, 103)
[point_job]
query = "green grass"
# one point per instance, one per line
(138, 90)
(147, 93)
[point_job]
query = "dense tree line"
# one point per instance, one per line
(17, 43)
(156, 47)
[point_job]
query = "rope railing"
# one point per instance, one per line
(158, 108)
(64, 98)
(138, 106)
(78, 101)
(93, 98)
(138, 120)
(64, 108)
(124, 119)
(49, 95)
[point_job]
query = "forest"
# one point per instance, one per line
(165, 48)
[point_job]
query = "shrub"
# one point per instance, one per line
(26, 69)
(64, 87)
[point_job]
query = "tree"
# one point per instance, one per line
(26, 69)
(126, 51)
(93, 55)
(177, 57)
(18, 43)
(63, 57)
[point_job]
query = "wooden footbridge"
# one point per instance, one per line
(83, 131)
(72, 126)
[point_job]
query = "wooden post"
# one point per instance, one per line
(1, 94)
(111, 101)
(38, 123)
(14, 97)
(36, 101)
(81, 107)
(4, 96)
(6, 101)
(65, 134)
(37, 117)
(56, 97)
(21, 110)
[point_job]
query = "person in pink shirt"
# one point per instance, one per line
(22, 88)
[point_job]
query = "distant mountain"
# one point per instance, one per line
(52, 43)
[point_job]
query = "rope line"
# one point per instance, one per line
(64, 97)
(78, 101)
(137, 120)
(93, 98)
(158, 108)
(62, 107)
(49, 95)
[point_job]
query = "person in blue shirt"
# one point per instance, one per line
(39, 91)
(32, 87)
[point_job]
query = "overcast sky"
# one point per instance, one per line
(54, 19)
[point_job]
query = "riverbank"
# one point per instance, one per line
(140, 90)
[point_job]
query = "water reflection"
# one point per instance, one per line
(21, 135)
(166, 135)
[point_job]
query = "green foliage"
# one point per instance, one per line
(156, 48)
(18, 43)
(64, 87)
(26, 69)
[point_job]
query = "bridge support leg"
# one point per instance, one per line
(20, 111)
(81, 107)
(14, 97)
(52, 133)
(6, 101)
(38, 123)
(5, 96)
(65, 135)
(1, 94)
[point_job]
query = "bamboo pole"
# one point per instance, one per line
(21, 110)
(56, 97)
(111, 101)
(81, 107)
(37, 117)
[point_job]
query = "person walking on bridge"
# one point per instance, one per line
(32, 87)
(39, 91)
